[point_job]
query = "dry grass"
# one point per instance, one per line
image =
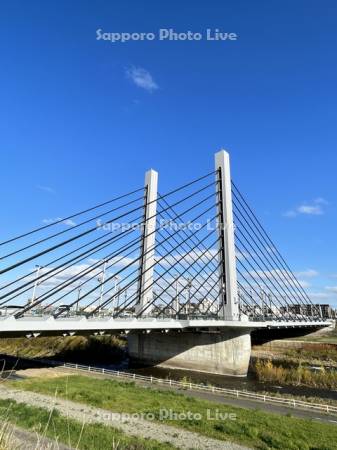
(7, 441)
(72, 348)
(300, 375)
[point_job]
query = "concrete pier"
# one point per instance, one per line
(224, 353)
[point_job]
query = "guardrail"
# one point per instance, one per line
(287, 402)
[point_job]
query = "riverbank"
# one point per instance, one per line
(268, 371)
(111, 354)
(44, 417)
(310, 353)
(80, 349)
(296, 363)
(252, 428)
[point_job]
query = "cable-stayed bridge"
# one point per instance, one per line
(195, 259)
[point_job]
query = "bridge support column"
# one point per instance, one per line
(148, 243)
(228, 283)
(223, 353)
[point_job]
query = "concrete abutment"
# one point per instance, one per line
(225, 353)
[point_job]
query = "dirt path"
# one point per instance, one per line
(133, 426)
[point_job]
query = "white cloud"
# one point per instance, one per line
(188, 258)
(318, 295)
(119, 261)
(332, 289)
(142, 78)
(241, 255)
(268, 274)
(281, 276)
(321, 201)
(66, 274)
(123, 261)
(290, 213)
(309, 273)
(315, 208)
(46, 189)
(304, 284)
(68, 222)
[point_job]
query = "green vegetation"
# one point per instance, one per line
(251, 427)
(299, 375)
(75, 348)
(71, 432)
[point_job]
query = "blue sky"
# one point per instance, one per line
(81, 119)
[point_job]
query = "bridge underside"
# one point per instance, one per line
(49, 326)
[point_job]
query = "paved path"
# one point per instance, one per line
(132, 426)
(271, 408)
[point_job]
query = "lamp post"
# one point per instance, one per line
(36, 283)
(116, 278)
(78, 296)
(188, 300)
(101, 279)
(176, 300)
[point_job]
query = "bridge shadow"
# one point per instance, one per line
(261, 336)
(29, 354)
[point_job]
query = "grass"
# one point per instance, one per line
(323, 352)
(6, 436)
(71, 432)
(72, 348)
(299, 375)
(251, 427)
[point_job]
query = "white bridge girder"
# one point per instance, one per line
(81, 325)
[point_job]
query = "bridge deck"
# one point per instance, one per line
(50, 325)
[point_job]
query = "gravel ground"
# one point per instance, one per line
(133, 426)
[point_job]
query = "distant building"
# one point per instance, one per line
(311, 310)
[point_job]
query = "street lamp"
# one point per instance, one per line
(176, 300)
(78, 296)
(116, 278)
(188, 290)
(36, 283)
(101, 279)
